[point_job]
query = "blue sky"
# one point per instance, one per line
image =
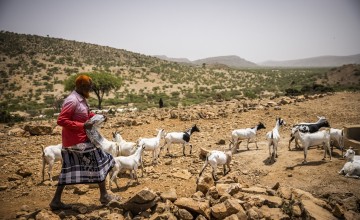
(256, 30)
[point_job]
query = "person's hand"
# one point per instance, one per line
(88, 124)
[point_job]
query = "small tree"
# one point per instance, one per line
(103, 83)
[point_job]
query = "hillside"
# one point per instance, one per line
(322, 61)
(33, 69)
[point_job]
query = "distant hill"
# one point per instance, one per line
(179, 60)
(221, 61)
(321, 61)
(231, 61)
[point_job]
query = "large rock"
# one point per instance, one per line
(170, 195)
(38, 129)
(199, 206)
(273, 213)
(303, 195)
(204, 184)
(272, 201)
(230, 189)
(227, 208)
(314, 211)
(141, 201)
(254, 190)
(16, 132)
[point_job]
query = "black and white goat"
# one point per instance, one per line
(307, 128)
(273, 138)
(246, 134)
(179, 138)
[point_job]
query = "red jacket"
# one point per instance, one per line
(74, 113)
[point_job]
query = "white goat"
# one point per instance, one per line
(152, 144)
(50, 155)
(313, 139)
(273, 138)
(246, 134)
(336, 137)
(125, 148)
(352, 167)
(215, 158)
(179, 138)
(98, 139)
(132, 163)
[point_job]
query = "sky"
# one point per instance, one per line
(255, 30)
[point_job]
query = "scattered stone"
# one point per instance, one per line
(182, 174)
(24, 172)
(3, 187)
(170, 195)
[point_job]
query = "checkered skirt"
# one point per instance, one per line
(84, 163)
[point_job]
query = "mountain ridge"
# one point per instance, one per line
(319, 61)
(238, 62)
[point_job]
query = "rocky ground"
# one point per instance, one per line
(24, 195)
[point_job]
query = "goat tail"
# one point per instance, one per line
(42, 150)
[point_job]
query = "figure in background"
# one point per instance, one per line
(161, 103)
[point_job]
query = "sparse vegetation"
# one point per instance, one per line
(48, 62)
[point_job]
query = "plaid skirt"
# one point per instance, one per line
(84, 163)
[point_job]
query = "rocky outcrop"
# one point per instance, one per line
(228, 201)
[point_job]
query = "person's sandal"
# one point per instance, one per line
(60, 206)
(110, 198)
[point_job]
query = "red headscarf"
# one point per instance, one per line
(82, 80)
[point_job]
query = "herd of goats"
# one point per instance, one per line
(128, 155)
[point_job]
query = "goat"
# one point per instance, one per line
(152, 144)
(215, 158)
(99, 140)
(307, 128)
(246, 134)
(273, 138)
(50, 155)
(352, 167)
(337, 137)
(132, 163)
(312, 139)
(179, 138)
(125, 148)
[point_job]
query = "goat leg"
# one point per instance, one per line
(291, 139)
